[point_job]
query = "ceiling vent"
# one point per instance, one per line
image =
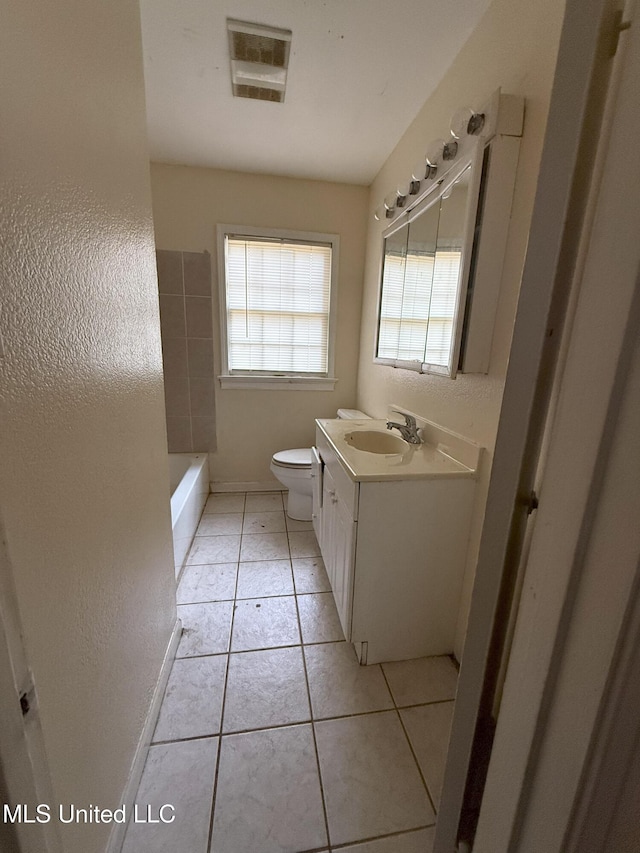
(259, 60)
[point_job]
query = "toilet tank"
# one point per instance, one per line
(352, 415)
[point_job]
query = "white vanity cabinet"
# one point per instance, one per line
(395, 552)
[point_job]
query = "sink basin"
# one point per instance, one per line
(374, 441)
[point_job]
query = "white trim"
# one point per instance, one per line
(254, 380)
(251, 486)
(277, 383)
(116, 838)
(23, 757)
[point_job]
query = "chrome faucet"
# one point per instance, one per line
(408, 430)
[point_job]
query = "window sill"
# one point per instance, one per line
(278, 383)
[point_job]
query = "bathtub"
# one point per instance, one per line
(189, 478)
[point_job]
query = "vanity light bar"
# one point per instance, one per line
(464, 122)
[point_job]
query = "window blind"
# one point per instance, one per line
(418, 305)
(278, 299)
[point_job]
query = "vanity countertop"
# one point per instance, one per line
(438, 457)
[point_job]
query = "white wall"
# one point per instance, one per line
(514, 47)
(187, 205)
(83, 471)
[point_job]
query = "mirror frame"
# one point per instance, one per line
(493, 156)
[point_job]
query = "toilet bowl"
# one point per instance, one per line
(293, 469)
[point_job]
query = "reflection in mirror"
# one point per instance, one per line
(395, 255)
(422, 280)
(418, 282)
(446, 277)
(406, 289)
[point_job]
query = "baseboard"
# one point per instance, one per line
(255, 486)
(137, 765)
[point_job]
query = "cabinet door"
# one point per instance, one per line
(337, 543)
(316, 484)
(327, 523)
(343, 551)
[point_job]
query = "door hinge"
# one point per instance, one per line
(529, 502)
(619, 26)
(27, 696)
(25, 704)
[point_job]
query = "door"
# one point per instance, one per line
(554, 257)
(24, 775)
(568, 673)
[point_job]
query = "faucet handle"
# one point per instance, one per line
(409, 420)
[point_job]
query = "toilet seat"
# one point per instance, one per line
(293, 468)
(298, 458)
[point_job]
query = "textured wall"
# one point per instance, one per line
(187, 205)
(514, 47)
(184, 284)
(83, 469)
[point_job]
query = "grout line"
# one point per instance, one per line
(381, 837)
(289, 725)
(255, 597)
(425, 704)
(415, 757)
(238, 598)
(222, 710)
(252, 597)
(312, 718)
(313, 727)
(315, 740)
(186, 739)
(353, 715)
(262, 649)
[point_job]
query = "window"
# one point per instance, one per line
(277, 307)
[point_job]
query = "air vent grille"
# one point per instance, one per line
(258, 93)
(259, 59)
(252, 48)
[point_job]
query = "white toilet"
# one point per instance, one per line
(293, 470)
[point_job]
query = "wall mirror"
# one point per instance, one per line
(438, 291)
(425, 270)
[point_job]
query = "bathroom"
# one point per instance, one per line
(248, 425)
(190, 208)
(86, 521)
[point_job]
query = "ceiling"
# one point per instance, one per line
(359, 71)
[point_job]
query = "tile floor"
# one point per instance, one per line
(271, 738)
